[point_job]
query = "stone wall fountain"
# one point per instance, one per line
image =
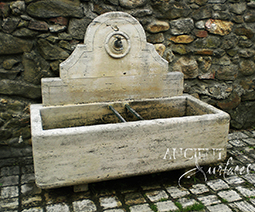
(116, 111)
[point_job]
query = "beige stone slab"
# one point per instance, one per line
(86, 154)
(56, 92)
(98, 71)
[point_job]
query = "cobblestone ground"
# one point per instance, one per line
(230, 190)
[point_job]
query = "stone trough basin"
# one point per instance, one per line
(81, 144)
(115, 75)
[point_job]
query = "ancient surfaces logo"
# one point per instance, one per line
(198, 154)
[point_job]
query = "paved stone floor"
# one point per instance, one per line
(231, 189)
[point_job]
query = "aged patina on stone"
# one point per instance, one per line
(75, 111)
(67, 20)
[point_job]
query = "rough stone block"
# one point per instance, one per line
(199, 189)
(217, 185)
(109, 202)
(9, 192)
(176, 192)
(140, 208)
(57, 208)
(156, 196)
(84, 205)
(220, 207)
(209, 200)
(242, 206)
(230, 195)
(166, 206)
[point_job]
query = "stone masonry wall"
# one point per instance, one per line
(210, 41)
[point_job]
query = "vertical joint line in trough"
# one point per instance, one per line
(134, 112)
(117, 114)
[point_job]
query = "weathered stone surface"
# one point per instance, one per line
(216, 1)
(230, 103)
(171, 10)
(56, 28)
(55, 66)
(57, 170)
(244, 31)
(238, 8)
(182, 39)
(232, 52)
(193, 6)
(141, 12)
(235, 59)
(51, 52)
(132, 3)
(251, 4)
(10, 24)
(169, 55)
(157, 195)
(249, 17)
(60, 20)
(9, 63)
(218, 52)
(212, 42)
(64, 36)
(200, 24)
(109, 202)
(84, 205)
(215, 89)
(237, 19)
(201, 33)
(203, 52)
(219, 7)
(223, 15)
(226, 72)
(208, 75)
(181, 26)
(52, 39)
(225, 61)
(4, 9)
(247, 67)
(13, 45)
(35, 67)
(188, 66)
(158, 26)
(204, 63)
(160, 48)
(243, 115)
(180, 49)
(244, 42)
(38, 25)
(155, 38)
(114, 2)
(200, 2)
(18, 7)
(25, 33)
(100, 9)
(248, 96)
(202, 13)
(219, 27)
(246, 53)
(77, 27)
(229, 41)
(55, 8)
(134, 198)
(65, 45)
(18, 88)
(98, 67)
(209, 200)
(23, 23)
(8, 74)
